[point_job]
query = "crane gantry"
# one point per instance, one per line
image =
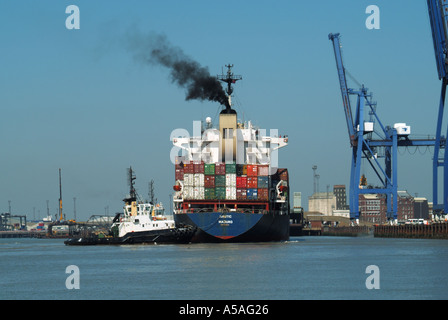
(367, 146)
(438, 16)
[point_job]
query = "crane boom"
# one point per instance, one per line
(343, 84)
(438, 21)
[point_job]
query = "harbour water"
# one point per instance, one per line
(302, 268)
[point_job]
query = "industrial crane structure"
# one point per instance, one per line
(370, 144)
(438, 16)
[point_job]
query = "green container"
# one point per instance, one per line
(209, 193)
(220, 193)
(230, 167)
(209, 168)
(220, 181)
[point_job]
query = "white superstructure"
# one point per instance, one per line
(252, 145)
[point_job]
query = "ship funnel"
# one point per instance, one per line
(227, 130)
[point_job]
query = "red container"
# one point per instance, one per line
(179, 174)
(241, 182)
(220, 168)
(198, 166)
(252, 170)
(209, 181)
(263, 194)
(188, 167)
(241, 194)
(283, 174)
(252, 182)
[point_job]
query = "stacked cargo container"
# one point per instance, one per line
(223, 181)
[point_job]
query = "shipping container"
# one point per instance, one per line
(179, 173)
(198, 180)
(209, 181)
(209, 169)
(198, 166)
(283, 173)
(263, 194)
(241, 194)
(220, 193)
(263, 170)
(263, 182)
(241, 182)
(220, 181)
(252, 170)
(230, 179)
(230, 193)
(252, 194)
(209, 193)
(188, 167)
(252, 182)
(188, 192)
(230, 168)
(199, 193)
(220, 168)
(188, 179)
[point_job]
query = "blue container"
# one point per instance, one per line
(252, 194)
(263, 182)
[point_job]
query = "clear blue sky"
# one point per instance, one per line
(77, 100)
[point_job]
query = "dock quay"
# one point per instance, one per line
(22, 234)
(420, 231)
(350, 231)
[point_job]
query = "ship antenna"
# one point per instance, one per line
(229, 78)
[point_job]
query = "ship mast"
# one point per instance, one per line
(60, 197)
(229, 78)
(132, 193)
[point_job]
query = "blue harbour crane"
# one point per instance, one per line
(438, 16)
(366, 145)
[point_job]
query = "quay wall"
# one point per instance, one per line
(354, 231)
(431, 231)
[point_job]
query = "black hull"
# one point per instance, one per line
(171, 236)
(271, 227)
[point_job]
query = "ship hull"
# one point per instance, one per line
(172, 236)
(236, 226)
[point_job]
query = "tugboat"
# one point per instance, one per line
(141, 222)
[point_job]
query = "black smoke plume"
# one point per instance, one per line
(184, 71)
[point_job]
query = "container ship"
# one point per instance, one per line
(227, 184)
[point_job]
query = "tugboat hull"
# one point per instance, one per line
(176, 235)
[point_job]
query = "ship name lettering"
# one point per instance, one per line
(225, 221)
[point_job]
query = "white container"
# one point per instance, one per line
(198, 180)
(230, 193)
(188, 179)
(230, 179)
(188, 192)
(198, 193)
